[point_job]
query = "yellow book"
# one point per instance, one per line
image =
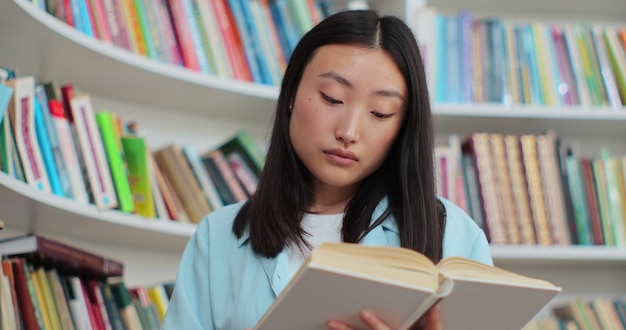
(48, 298)
(42, 303)
(399, 285)
(158, 297)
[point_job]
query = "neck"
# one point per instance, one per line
(330, 200)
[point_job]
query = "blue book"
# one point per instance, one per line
(196, 38)
(530, 53)
(497, 74)
(285, 25)
(441, 80)
(246, 40)
(452, 60)
(55, 144)
(256, 42)
(46, 151)
(85, 18)
(466, 63)
(75, 12)
(5, 97)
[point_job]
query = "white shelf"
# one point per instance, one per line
(604, 10)
(36, 43)
(25, 209)
(576, 122)
(562, 255)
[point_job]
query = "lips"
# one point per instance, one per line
(348, 155)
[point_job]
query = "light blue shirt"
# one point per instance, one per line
(223, 284)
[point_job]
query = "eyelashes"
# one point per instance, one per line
(332, 101)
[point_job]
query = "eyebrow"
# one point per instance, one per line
(343, 81)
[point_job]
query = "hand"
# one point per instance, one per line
(430, 321)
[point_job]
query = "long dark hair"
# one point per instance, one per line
(406, 178)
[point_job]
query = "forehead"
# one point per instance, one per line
(360, 67)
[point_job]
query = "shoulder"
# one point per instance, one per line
(463, 237)
(218, 225)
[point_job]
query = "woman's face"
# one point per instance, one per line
(348, 110)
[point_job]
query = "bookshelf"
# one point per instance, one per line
(174, 104)
(581, 271)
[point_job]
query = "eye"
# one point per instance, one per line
(330, 99)
(381, 115)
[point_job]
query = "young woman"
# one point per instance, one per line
(350, 159)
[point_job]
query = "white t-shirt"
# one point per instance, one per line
(320, 228)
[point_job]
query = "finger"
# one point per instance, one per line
(432, 319)
(336, 325)
(372, 321)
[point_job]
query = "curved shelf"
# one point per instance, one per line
(57, 51)
(573, 121)
(36, 43)
(26, 209)
(562, 255)
(613, 10)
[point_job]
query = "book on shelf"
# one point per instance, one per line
(138, 166)
(399, 285)
(63, 256)
(53, 137)
(175, 167)
(115, 155)
(68, 151)
(224, 177)
(202, 176)
(92, 149)
(22, 114)
(243, 144)
(477, 147)
(45, 146)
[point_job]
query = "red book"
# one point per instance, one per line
(232, 40)
(183, 34)
(99, 18)
(592, 199)
(67, 9)
(65, 257)
(27, 308)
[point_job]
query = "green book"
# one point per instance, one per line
(136, 153)
(243, 143)
(115, 157)
(579, 201)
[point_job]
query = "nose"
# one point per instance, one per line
(348, 127)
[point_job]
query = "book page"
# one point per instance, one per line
(467, 268)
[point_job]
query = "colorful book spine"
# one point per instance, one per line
(183, 35)
(203, 177)
(223, 65)
(154, 30)
(134, 27)
(23, 107)
(115, 157)
(269, 48)
(251, 48)
(171, 44)
(46, 151)
(53, 139)
(143, 12)
(138, 172)
(199, 9)
(285, 26)
(100, 22)
(90, 142)
(232, 40)
(68, 151)
(578, 195)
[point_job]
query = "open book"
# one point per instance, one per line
(338, 280)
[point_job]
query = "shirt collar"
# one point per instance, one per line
(374, 237)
